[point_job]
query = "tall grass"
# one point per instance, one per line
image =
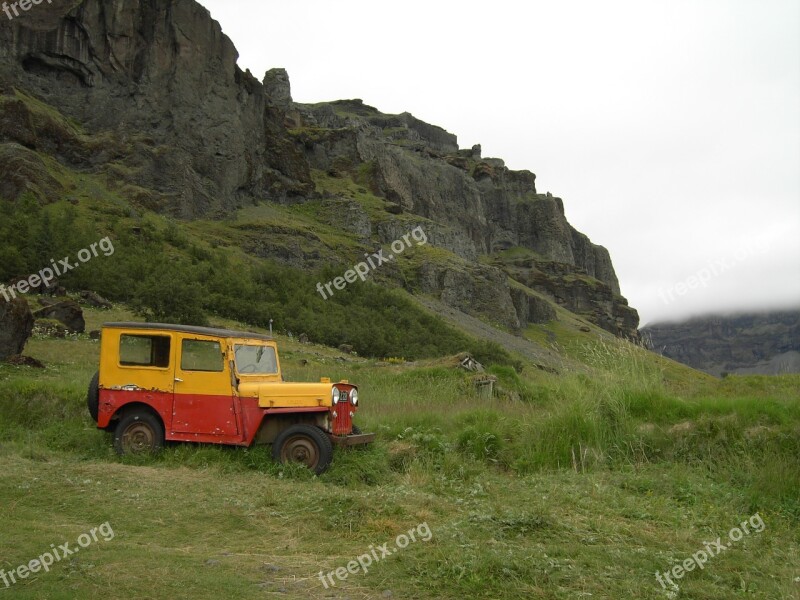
(430, 419)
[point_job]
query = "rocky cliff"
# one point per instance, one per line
(162, 109)
(159, 81)
(767, 343)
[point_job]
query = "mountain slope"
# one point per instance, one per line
(765, 343)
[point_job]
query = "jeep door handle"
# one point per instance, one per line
(178, 380)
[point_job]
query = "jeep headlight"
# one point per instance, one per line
(335, 395)
(354, 397)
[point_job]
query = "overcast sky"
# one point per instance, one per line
(671, 129)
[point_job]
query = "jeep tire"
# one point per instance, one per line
(305, 444)
(93, 396)
(138, 432)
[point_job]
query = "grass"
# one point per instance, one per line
(345, 186)
(559, 487)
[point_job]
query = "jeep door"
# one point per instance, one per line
(204, 401)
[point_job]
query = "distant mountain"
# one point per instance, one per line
(757, 343)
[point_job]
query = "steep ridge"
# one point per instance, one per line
(163, 111)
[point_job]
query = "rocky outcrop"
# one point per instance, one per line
(159, 79)
(68, 312)
(767, 343)
(471, 206)
(421, 169)
(16, 326)
(474, 290)
(94, 299)
(577, 291)
(531, 308)
(278, 89)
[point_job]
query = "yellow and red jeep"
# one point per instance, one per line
(178, 383)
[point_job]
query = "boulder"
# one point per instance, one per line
(16, 326)
(477, 290)
(25, 361)
(95, 299)
(67, 312)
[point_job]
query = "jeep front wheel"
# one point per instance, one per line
(138, 432)
(304, 444)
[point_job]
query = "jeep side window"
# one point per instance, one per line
(202, 355)
(144, 351)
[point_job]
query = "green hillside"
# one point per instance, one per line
(560, 486)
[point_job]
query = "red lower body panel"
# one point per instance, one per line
(205, 419)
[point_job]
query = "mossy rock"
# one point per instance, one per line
(50, 328)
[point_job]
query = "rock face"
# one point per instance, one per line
(578, 292)
(766, 343)
(68, 312)
(174, 124)
(160, 80)
(471, 206)
(16, 325)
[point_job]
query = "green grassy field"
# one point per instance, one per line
(561, 486)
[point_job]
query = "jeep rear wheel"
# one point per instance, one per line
(93, 396)
(138, 432)
(304, 444)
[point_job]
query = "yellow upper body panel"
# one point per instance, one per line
(277, 394)
(137, 359)
(201, 362)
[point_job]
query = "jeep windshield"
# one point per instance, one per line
(256, 360)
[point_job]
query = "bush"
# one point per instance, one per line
(168, 274)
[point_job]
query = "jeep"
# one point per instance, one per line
(177, 383)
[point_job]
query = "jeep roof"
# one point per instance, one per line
(210, 331)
